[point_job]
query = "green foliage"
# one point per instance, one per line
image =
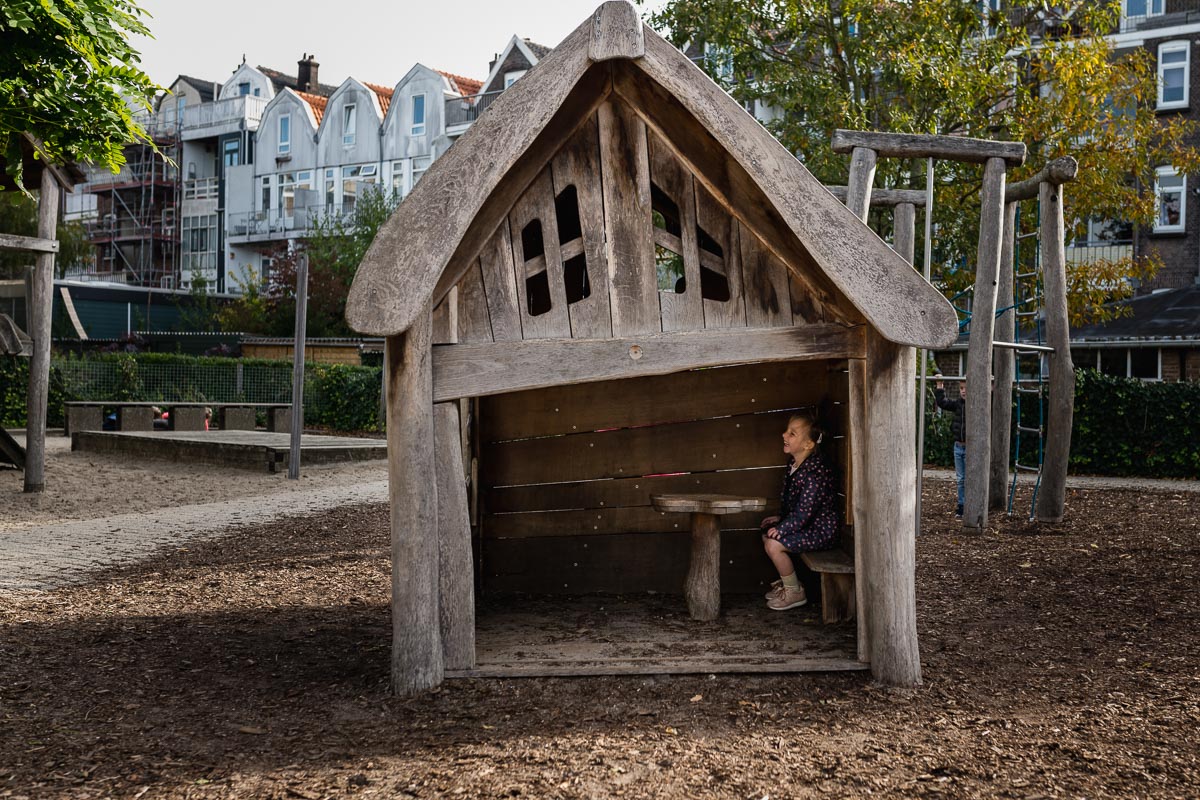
(14, 387)
(69, 76)
(18, 215)
(947, 67)
(343, 397)
(335, 248)
(1124, 426)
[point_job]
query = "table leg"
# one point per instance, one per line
(703, 587)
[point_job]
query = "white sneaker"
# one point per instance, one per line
(788, 598)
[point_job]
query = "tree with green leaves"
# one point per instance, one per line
(1033, 73)
(335, 248)
(69, 77)
(18, 216)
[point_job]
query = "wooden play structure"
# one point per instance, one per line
(49, 179)
(995, 335)
(616, 286)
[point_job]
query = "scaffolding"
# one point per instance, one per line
(136, 231)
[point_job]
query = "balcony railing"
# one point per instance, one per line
(247, 108)
(1085, 252)
(281, 221)
(1142, 15)
(201, 189)
(465, 110)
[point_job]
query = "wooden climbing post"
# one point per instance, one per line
(1053, 491)
(979, 348)
(1003, 367)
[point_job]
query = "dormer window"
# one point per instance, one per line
(511, 77)
(418, 115)
(349, 125)
(285, 134)
(243, 88)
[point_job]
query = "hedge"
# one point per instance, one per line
(341, 397)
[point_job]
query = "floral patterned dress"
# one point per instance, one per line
(808, 507)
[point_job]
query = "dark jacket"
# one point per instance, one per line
(808, 507)
(958, 425)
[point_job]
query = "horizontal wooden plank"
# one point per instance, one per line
(886, 197)
(750, 440)
(603, 521)
(27, 244)
(478, 369)
(661, 666)
(624, 492)
(834, 561)
(650, 400)
(921, 145)
(708, 503)
(620, 563)
(1057, 171)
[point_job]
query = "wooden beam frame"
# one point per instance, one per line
(1052, 496)
(1057, 172)
(919, 145)
(27, 244)
(474, 370)
(885, 198)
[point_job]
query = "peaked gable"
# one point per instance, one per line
(657, 105)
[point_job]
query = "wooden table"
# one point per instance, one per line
(703, 586)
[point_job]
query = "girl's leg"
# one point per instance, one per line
(779, 557)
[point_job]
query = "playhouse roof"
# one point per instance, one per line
(426, 246)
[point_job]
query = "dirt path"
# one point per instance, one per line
(1058, 663)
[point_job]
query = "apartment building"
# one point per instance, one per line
(250, 164)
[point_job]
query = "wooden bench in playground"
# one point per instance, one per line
(183, 416)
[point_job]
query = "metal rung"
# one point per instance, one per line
(1027, 235)
(1027, 274)
(1029, 391)
(1028, 469)
(1024, 348)
(1024, 429)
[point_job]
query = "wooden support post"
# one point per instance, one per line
(1052, 495)
(456, 578)
(703, 587)
(1003, 366)
(885, 510)
(38, 314)
(300, 337)
(904, 226)
(862, 177)
(856, 414)
(417, 661)
(979, 349)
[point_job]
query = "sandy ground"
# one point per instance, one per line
(82, 486)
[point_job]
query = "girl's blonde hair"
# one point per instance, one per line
(809, 418)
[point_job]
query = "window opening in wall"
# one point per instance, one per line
(537, 285)
(1144, 363)
(714, 285)
(330, 189)
(418, 115)
(266, 193)
(349, 124)
(419, 165)
(244, 88)
(285, 134)
(668, 263)
(231, 152)
(1170, 196)
(570, 230)
(1173, 58)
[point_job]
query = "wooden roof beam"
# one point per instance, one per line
(27, 244)
(920, 145)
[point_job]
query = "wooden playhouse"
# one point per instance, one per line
(618, 284)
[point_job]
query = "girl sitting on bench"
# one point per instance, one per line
(808, 507)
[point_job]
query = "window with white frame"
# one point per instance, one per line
(990, 10)
(1170, 199)
(330, 188)
(199, 241)
(349, 124)
(285, 134)
(511, 77)
(266, 193)
(1140, 9)
(418, 115)
(398, 179)
(1173, 74)
(243, 88)
(1143, 363)
(289, 182)
(352, 177)
(419, 165)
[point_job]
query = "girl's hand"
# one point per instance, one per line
(773, 534)
(768, 521)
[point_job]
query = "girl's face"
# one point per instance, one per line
(796, 441)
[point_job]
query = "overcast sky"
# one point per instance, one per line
(373, 41)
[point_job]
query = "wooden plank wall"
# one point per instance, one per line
(593, 202)
(566, 474)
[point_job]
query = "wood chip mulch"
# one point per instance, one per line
(1058, 662)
